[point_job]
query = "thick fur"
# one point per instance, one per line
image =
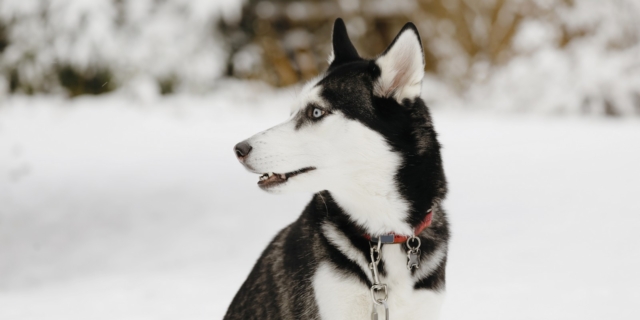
(378, 170)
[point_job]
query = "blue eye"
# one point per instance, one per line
(317, 113)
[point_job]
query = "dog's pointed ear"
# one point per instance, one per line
(401, 66)
(343, 49)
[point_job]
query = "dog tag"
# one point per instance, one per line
(413, 259)
(386, 238)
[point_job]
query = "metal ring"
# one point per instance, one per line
(413, 238)
(377, 288)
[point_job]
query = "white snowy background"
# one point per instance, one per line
(131, 205)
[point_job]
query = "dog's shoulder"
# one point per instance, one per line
(278, 286)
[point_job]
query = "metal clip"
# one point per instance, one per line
(377, 287)
(379, 301)
(376, 255)
(374, 314)
(413, 254)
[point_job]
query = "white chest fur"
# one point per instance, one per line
(343, 296)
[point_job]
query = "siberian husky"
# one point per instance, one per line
(372, 243)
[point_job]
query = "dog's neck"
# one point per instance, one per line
(394, 189)
(375, 204)
(374, 210)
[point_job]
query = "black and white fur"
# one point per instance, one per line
(365, 141)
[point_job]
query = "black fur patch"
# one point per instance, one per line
(343, 49)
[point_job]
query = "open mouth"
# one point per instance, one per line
(268, 180)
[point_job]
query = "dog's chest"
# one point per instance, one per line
(343, 296)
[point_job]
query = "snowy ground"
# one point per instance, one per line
(124, 208)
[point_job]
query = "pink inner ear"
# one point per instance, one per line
(402, 65)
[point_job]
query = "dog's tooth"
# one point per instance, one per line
(270, 174)
(283, 176)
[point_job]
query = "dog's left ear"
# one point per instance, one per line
(401, 66)
(343, 49)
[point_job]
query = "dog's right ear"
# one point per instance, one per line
(401, 66)
(343, 49)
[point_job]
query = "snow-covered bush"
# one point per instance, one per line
(583, 57)
(80, 46)
(555, 56)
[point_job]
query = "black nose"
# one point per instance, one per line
(242, 149)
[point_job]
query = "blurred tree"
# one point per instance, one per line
(565, 55)
(285, 41)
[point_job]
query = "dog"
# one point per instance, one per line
(372, 243)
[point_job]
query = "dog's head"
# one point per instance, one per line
(358, 127)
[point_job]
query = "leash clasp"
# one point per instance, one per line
(413, 252)
(379, 293)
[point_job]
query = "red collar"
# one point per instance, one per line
(394, 238)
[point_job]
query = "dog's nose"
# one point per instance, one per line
(242, 150)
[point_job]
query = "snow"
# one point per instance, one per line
(174, 40)
(121, 207)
